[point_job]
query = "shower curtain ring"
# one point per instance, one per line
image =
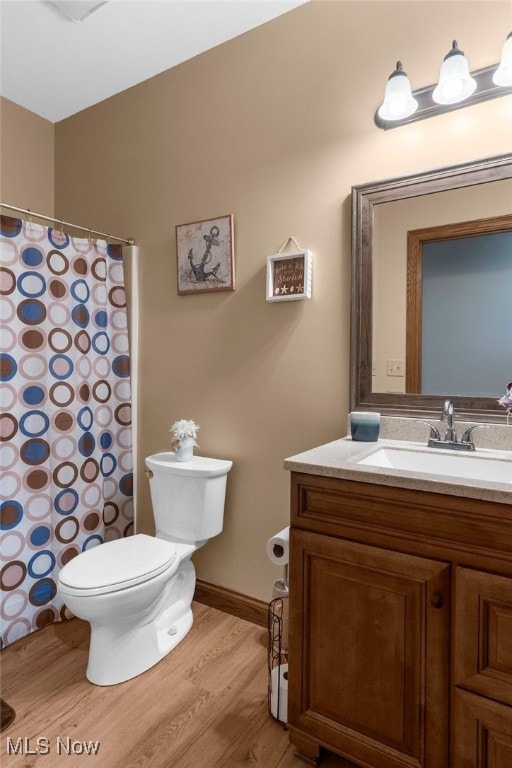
(61, 226)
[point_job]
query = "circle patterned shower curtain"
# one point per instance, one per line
(65, 422)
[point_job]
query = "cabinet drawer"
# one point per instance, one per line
(482, 732)
(483, 634)
(427, 524)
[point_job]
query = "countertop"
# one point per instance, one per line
(339, 459)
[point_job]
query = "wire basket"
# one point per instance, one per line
(277, 660)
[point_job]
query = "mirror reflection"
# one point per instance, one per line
(459, 283)
(453, 296)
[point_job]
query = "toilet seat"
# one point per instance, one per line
(117, 565)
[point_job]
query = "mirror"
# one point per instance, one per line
(396, 198)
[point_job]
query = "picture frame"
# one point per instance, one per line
(289, 276)
(205, 256)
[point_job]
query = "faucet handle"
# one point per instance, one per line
(434, 432)
(467, 436)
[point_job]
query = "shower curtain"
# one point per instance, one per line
(65, 422)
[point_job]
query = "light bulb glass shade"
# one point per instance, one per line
(455, 81)
(398, 99)
(503, 75)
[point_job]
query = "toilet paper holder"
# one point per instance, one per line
(285, 576)
(278, 658)
(278, 552)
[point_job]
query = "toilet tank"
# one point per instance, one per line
(187, 497)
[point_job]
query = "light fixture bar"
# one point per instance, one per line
(485, 89)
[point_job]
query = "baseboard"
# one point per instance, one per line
(232, 602)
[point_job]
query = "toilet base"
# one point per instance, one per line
(137, 654)
(121, 651)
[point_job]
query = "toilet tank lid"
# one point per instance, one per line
(122, 562)
(199, 466)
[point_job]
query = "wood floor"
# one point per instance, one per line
(203, 706)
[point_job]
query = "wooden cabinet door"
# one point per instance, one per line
(369, 645)
(483, 634)
(482, 732)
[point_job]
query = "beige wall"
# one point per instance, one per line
(274, 127)
(27, 159)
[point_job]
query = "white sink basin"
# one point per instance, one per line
(436, 462)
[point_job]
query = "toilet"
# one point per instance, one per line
(137, 592)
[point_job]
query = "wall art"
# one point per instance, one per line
(289, 276)
(205, 254)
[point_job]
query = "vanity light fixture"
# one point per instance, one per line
(457, 87)
(455, 81)
(398, 99)
(503, 75)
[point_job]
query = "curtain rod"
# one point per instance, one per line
(27, 211)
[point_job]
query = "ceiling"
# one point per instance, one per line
(55, 67)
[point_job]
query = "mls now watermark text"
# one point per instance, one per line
(42, 745)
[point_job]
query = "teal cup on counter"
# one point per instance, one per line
(365, 426)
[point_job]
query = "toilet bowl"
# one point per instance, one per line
(136, 592)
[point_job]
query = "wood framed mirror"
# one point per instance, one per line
(423, 188)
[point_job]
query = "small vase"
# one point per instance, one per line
(185, 450)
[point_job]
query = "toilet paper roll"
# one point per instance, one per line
(279, 693)
(278, 547)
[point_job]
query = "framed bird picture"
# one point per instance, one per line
(205, 253)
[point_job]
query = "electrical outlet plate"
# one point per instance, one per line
(395, 368)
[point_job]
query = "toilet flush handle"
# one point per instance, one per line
(148, 473)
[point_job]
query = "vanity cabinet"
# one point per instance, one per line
(400, 642)
(482, 667)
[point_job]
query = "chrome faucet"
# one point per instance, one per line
(447, 417)
(450, 438)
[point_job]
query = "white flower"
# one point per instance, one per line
(183, 428)
(506, 400)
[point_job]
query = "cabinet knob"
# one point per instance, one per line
(436, 601)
